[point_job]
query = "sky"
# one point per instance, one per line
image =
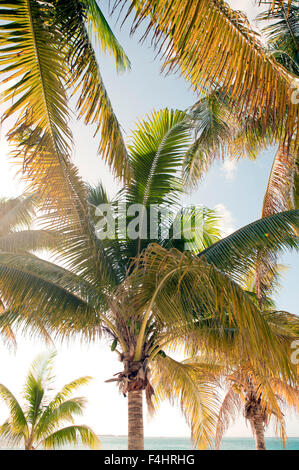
(235, 189)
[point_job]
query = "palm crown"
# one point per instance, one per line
(39, 423)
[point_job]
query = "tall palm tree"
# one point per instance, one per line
(167, 298)
(38, 423)
(47, 57)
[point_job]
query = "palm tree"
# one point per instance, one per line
(165, 299)
(261, 397)
(39, 423)
(47, 57)
(210, 44)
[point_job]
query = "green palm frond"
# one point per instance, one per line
(201, 229)
(52, 418)
(67, 390)
(35, 388)
(215, 131)
(187, 385)
(156, 150)
(280, 196)
(72, 435)
(18, 421)
(221, 134)
(35, 292)
(237, 253)
(85, 80)
(104, 35)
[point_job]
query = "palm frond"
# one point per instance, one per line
(209, 43)
(10, 435)
(156, 152)
(180, 288)
(67, 390)
(280, 190)
(215, 131)
(53, 417)
(18, 421)
(228, 412)
(237, 253)
(33, 291)
(39, 102)
(5, 329)
(28, 240)
(72, 435)
(17, 213)
(187, 385)
(85, 80)
(35, 388)
(104, 35)
(279, 196)
(200, 229)
(282, 34)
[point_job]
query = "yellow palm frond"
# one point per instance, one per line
(228, 412)
(184, 289)
(188, 385)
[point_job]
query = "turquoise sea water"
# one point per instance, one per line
(181, 443)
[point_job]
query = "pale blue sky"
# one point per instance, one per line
(236, 190)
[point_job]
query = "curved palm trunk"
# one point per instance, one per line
(135, 420)
(257, 423)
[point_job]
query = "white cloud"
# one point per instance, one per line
(229, 168)
(226, 219)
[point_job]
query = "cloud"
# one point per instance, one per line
(226, 222)
(229, 168)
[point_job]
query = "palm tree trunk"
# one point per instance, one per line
(135, 420)
(259, 432)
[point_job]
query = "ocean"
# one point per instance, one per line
(182, 443)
